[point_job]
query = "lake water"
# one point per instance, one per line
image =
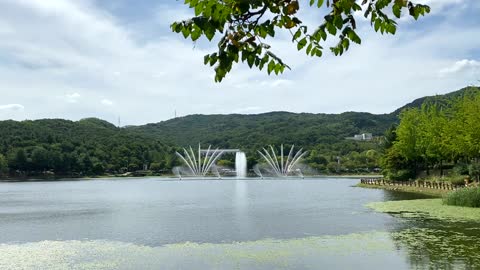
(221, 224)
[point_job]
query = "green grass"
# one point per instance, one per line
(417, 190)
(454, 179)
(466, 197)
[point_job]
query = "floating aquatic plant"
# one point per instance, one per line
(432, 208)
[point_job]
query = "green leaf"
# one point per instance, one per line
(338, 21)
(309, 48)
(331, 29)
(345, 44)
(263, 62)
(209, 31)
(271, 67)
(206, 59)
(397, 10)
(297, 34)
(198, 9)
(185, 32)
(378, 22)
(196, 33)
(250, 60)
(354, 37)
(301, 43)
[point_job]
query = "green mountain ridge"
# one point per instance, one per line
(235, 131)
(417, 103)
(93, 146)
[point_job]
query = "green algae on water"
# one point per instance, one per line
(301, 253)
(427, 208)
(416, 248)
(439, 249)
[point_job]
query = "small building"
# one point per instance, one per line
(361, 137)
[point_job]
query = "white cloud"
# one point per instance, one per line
(276, 83)
(461, 66)
(72, 98)
(68, 44)
(106, 102)
(167, 14)
(12, 107)
(440, 5)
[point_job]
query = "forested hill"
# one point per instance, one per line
(95, 147)
(254, 131)
(417, 103)
(86, 147)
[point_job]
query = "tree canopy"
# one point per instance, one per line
(244, 27)
(83, 148)
(441, 131)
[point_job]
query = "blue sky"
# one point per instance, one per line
(108, 59)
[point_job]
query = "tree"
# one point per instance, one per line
(406, 151)
(40, 158)
(245, 26)
(437, 132)
(17, 160)
(433, 134)
(156, 166)
(3, 165)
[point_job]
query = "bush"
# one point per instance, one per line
(460, 169)
(457, 180)
(474, 170)
(467, 197)
(400, 175)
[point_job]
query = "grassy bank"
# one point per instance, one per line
(418, 190)
(467, 197)
(431, 208)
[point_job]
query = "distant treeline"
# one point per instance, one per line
(444, 133)
(439, 134)
(85, 148)
(92, 147)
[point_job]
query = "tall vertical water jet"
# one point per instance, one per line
(241, 164)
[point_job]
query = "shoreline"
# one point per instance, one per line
(87, 178)
(438, 193)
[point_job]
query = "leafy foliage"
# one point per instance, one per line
(323, 135)
(443, 130)
(66, 148)
(3, 165)
(244, 26)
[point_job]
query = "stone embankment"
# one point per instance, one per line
(420, 184)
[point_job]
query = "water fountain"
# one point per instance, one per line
(283, 167)
(241, 164)
(198, 166)
(202, 163)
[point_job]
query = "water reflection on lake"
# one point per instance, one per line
(220, 224)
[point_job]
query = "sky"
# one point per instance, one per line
(75, 59)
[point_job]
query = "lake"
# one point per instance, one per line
(158, 223)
